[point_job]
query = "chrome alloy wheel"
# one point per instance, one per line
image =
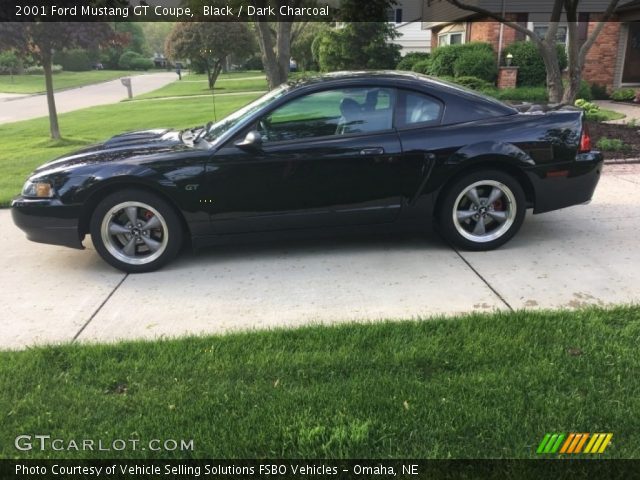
(484, 211)
(134, 233)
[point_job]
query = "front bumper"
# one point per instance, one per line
(48, 221)
(574, 186)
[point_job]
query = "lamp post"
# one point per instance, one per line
(509, 59)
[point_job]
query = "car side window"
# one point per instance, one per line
(419, 109)
(330, 112)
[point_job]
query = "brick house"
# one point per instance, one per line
(613, 61)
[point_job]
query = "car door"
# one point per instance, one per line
(327, 158)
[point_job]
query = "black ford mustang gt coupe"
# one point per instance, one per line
(351, 149)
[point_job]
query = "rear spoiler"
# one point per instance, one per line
(536, 108)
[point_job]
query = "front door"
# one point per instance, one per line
(631, 70)
(328, 158)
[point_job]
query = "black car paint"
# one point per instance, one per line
(386, 178)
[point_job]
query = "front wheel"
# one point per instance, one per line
(482, 210)
(136, 231)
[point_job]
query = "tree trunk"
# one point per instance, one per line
(573, 54)
(554, 75)
(213, 74)
(275, 58)
(51, 101)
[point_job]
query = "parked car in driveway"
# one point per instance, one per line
(350, 150)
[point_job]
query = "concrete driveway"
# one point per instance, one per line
(570, 258)
(14, 108)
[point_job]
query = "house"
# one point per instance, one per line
(613, 61)
(407, 17)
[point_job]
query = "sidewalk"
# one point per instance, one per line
(34, 106)
(631, 111)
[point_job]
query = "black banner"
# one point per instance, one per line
(319, 469)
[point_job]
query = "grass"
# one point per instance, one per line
(197, 84)
(35, 83)
(476, 386)
(25, 144)
(604, 115)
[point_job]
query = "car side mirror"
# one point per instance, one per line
(252, 141)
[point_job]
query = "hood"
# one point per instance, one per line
(124, 146)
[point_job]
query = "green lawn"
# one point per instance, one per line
(35, 83)
(604, 115)
(198, 85)
(477, 386)
(25, 145)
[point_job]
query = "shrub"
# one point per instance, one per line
(588, 107)
(476, 63)
(585, 90)
(423, 66)
(624, 94)
(141, 63)
(254, 63)
(127, 58)
(10, 63)
(75, 60)
(473, 83)
(38, 70)
(411, 59)
(523, 94)
(443, 58)
(612, 145)
(531, 69)
(599, 92)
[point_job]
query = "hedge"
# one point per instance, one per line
(531, 69)
(476, 63)
(443, 58)
(75, 60)
(409, 61)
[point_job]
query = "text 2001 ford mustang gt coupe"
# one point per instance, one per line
(338, 151)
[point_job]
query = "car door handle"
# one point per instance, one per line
(372, 151)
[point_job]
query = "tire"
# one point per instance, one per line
(482, 210)
(131, 247)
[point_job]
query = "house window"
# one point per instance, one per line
(541, 29)
(394, 15)
(453, 38)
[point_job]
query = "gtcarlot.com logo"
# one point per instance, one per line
(574, 443)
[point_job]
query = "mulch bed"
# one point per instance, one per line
(629, 135)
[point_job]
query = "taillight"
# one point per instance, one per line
(585, 140)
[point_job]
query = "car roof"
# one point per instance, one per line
(450, 92)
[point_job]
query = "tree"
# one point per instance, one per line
(358, 46)
(546, 45)
(40, 40)
(301, 48)
(209, 43)
(156, 34)
(9, 62)
(131, 37)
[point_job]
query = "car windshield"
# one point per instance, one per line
(224, 125)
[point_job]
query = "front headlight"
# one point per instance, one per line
(37, 189)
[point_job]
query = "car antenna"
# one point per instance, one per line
(213, 99)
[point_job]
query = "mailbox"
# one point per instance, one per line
(126, 81)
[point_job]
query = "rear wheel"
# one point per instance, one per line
(136, 231)
(482, 210)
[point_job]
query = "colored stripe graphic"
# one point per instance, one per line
(543, 443)
(567, 443)
(605, 442)
(574, 443)
(581, 443)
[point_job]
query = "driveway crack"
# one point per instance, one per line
(486, 282)
(93, 315)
